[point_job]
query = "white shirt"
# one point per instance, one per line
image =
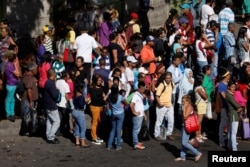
(84, 45)
(248, 32)
(139, 106)
(199, 53)
(206, 11)
(63, 87)
(130, 77)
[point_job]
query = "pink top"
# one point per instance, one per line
(71, 88)
(240, 99)
(43, 74)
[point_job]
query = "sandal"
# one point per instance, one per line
(77, 145)
(199, 140)
(85, 146)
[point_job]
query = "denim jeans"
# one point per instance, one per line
(232, 132)
(80, 123)
(52, 124)
(185, 145)
(168, 113)
(137, 122)
(223, 124)
(117, 122)
(201, 64)
(10, 100)
(24, 107)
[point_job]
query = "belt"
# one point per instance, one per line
(80, 109)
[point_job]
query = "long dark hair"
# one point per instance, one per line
(113, 97)
(95, 79)
(241, 34)
(198, 80)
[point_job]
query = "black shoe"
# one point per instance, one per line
(55, 141)
(12, 118)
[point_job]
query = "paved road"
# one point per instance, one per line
(34, 151)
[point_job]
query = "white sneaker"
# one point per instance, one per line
(99, 140)
(96, 142)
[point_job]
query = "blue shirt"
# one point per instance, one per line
(50, 95)
(225, 16)
(222, 87)
(117, 108)
(229, 44)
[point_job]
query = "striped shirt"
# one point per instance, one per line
(225, 16)
(107, 62)
(210, 36)
(48, 44)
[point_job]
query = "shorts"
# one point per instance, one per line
(201, 108)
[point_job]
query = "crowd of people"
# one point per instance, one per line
(131, 77)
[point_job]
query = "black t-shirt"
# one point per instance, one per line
(120, 54)
(96, 96)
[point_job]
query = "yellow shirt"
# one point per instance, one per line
(166, 95)
(136, 27)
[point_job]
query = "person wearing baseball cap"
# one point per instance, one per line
(130, 74)
(147, 54)
(187, 13)
(135, 26)
(47, 30)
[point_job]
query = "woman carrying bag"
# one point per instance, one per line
(187, 110)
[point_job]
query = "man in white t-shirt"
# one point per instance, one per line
(63, 88)
(84, 45)
(206, 12)
(137, 108)
(130, 74)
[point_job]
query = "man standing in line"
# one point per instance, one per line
(84, 45)
(226, 16)
(51, 94)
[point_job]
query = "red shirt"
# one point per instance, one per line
(190, 23)
(43, 74)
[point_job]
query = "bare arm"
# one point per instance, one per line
(114, 52)
(132, 106)
(202, 94)
(187, 111)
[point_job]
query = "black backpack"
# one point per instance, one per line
(20, 89)
(144, 133)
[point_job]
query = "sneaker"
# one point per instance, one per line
(108, 148)
(179, 159)
(118, 148)
(198, 157)
(170, 138)
(139, 146)
(99, 140)
(96, 142)
(158, 138)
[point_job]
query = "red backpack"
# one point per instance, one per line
(129, 30)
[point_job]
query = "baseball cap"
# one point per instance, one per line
(131, 59)
(134, 15)
(47, 28)
(32, 66)
(143, 70)
(149, 38)
(185, 6)
(183, 20)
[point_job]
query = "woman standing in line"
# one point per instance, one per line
(115, 101)
(233, 110)
(187, 110)
(11, 75)
(98, 97)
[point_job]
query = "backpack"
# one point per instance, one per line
(129, 30)
(144, 133)
(20, 89)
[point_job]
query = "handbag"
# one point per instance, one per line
(191, 123)
(68, 56)
(245, 128)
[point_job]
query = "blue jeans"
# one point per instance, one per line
(185, 145)
(10, 100)
(80, 123)
(137, 122)
(201, 64)
(117, 122)
(232, 132)
(52, 124)
(24, 107)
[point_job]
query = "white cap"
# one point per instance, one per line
(131, 59)
(143, 70)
